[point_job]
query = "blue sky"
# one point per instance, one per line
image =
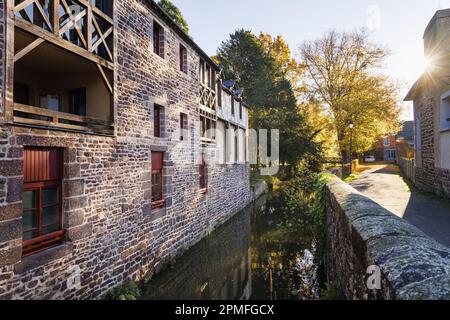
(396, 24)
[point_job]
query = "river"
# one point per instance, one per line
(259, 254)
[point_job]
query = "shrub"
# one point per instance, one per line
(126, 291)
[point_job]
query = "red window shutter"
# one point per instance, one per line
(157, 161)
(42, 164)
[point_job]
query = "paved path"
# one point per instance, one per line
(384, 185)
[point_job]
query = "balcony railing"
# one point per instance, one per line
(77, 22)
(207, 97)
(33, 116)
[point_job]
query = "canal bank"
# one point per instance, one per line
(268, 251)
(261, 254)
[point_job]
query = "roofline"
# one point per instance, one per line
(229, 91)
(438, 15)
(411, 95)
(168, 20)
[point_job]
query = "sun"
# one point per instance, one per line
(428, 65)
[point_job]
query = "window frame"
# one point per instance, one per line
(183, 126)
(444, 112)
(240, 109)
(160, 202)
(183, 59)
(203, 174)
(42, 241)
(157, 132)
(158, 39)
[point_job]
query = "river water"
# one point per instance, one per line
(259, 254)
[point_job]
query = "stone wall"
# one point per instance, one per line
(407, 168)
(428, 176)
(112, 234)
(361, 234)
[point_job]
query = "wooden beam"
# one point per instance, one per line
(23, 5)
(54, 15)
(19, 55)
(103, 37)
(44, 16)
(97, 11)
(50, 37)
(88, 27)
(105, 79)
(73, 22)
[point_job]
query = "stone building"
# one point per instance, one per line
(431, 97)
(386, 149)
(107, 166)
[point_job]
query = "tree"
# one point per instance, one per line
(342, 76)
(262, 68)
(288, 67)
(175, 14)
(245, 61)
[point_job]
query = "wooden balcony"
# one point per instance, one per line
(207, 97)
(76, 25)
(33, 116)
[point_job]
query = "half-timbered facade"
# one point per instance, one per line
(109, 161)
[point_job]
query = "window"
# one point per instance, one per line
(219, 93)
(77, 100)
(157, 111)
(240, 109)
(386, 142)
(158, 39)
(202, 172)
(21, 93)
(157, 180)
(183, 59)
(236, 146)
(202, 71)
(42, 209)
(418, 131)
(445, 111)
(207, 129)
(183, 126)
(232, 105)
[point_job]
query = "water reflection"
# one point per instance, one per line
(258, 254)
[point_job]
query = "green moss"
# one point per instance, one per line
(126, 291)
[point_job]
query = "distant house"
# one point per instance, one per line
(391, 147)
(431, 97)
(405, 141)
(386, 149)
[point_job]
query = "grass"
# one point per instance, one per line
(351, 177)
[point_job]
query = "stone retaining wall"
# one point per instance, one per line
(407, 168)
(361, 234)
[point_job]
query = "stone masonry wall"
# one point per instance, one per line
(428, 177)
(111, 232)
(361, 234)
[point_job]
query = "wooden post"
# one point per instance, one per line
(54, 16)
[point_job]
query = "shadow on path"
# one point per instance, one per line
(427, 212)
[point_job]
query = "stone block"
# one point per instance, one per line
(10, 230)
(73, 188)
(15, 190)
(10, 211)
(11, 168)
